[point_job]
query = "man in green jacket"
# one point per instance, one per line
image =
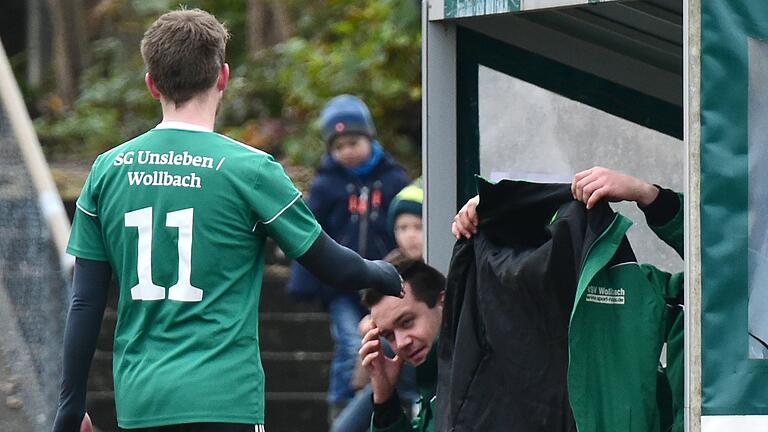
(602, 363)
(596, 381)
(410, 325)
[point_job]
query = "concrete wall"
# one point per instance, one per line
(530, 133)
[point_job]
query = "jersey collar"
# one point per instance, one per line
(182, 126)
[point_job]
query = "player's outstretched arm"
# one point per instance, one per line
(91, 281)
(339, 266)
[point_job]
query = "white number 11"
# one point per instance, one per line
(146, 289)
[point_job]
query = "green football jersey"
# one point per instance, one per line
(182, 214)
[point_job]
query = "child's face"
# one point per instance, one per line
(408, 235)
(351, 150)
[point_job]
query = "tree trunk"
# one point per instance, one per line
(68, 46)
(268, 23)
(255, 25)
(38, 45)
(282, 25)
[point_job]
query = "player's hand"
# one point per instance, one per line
(465, 222)
(86, 425)
(598, 183)
(384, 371)
(390, 281)
(68, 421)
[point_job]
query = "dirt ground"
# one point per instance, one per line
(12, 415)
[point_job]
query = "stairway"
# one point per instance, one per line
(296, 351)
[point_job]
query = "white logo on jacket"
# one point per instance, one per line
(597, 294)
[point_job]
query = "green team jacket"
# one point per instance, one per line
(426, 380)
(620, 320)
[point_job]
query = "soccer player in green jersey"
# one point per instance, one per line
(180, 214)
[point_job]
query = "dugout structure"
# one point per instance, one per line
(672, 91)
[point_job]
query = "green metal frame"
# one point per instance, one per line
(732, 384)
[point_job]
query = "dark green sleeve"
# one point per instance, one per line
(389, 417)
(86, 239)
(401, 425)
(669, 285)
(282, 214)
(665, 218)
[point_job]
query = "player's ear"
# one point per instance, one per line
(223, 80)
(151, 86)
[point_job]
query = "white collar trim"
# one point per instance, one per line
(182, 126)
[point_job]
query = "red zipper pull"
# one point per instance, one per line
(362, 206)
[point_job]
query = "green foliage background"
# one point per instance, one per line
(370, 48)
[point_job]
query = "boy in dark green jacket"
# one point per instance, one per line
(410, 325)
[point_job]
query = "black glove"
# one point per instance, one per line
(386, 278)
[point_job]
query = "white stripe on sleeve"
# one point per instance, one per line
(86, 211)
(279, 213)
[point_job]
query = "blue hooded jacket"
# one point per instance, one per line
(350, 204)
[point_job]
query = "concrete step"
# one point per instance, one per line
(100, 376)
(106, 339)
(285, 331)
(296, 412)
(296, 371)
(100, 406)
(273, 295)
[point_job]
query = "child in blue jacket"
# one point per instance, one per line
(350, 197)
